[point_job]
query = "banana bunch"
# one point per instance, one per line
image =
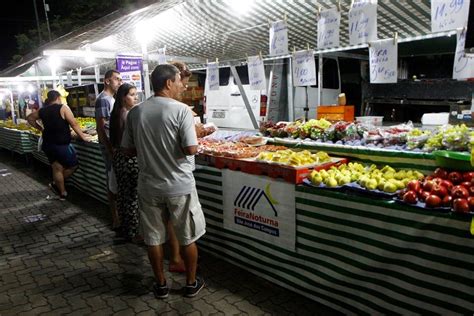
(294, 158)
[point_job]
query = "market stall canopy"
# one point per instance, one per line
(197, 30)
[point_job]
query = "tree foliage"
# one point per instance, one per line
(64, 17)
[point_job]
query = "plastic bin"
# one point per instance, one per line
(370, 120)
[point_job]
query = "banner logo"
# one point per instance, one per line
(244, 207)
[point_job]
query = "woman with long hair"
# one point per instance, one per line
(57, 119)
(125, 167)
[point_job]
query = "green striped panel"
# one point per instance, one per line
(345, 273)
(424, 162)
(38, 155)
(15, 140)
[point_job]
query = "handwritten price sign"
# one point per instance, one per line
(213, 76)
(363, 22)
(278, 38)
(161, 56)
(449, 14)
(328, 28)
(383, 56)
(256, 73)
(304, 69)
(463, 67)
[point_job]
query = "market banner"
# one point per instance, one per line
(213, 75)
(162, 56)
(260, 207)
(463, 67)
(278, 38)
(277, 102)
(383, 57)
(328, 28)
(363, 22)
(304, 68)
(449, 14)
(130, 67)
(256, 71)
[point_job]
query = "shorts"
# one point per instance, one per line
(65, 155)
(184, 212)
(109, 171)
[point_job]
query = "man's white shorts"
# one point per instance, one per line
(184, 212)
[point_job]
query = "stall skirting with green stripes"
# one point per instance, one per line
(15, 140)
(355, 254)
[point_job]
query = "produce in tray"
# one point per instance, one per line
(443, 189)
(233, 150)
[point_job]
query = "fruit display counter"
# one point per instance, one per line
(356, 254)
(15, 140)
(422, 161)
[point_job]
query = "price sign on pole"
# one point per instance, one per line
(328, 28)
(278, 38)
(449, 14)
(383, 56)
(256, 73)
(463, 67)
(213, 76)
(363, 22)
(162, 56)
(304, 69)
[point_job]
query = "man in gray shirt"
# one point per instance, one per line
(160, 131)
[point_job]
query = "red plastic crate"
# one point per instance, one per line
(289, 174)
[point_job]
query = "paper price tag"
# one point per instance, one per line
(363, 22)
(304, 68)
(213, 76)
(463, 67)
(161, 56)
(449, 14)
(278, 38)
(383, 56)
(256, 73)
(328, 28)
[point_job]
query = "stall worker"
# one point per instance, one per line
(56, 136)
(126, 168)
(103, 107)
(160, 131)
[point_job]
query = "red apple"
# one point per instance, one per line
(439, 190)
(428, 185)
(471, 190)
(414, 185)
(429, 178)
(459, 192)
(460, 206)
(437, 180)
(433, 201)
(447, 201)
(470, 201)
(468, 176)
(466, 184)
(423, 195)
(448, 184)
(440, 173)
(410, 197)
(401, 193)
(455, 177)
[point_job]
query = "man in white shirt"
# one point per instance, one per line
(161, 132)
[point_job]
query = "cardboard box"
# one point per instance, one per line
(336, 112)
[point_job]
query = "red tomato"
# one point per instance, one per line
(433, 201)
(410, 197)
(461, 206)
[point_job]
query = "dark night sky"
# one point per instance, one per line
(15, 17)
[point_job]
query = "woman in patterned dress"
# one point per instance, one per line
(126, 168)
